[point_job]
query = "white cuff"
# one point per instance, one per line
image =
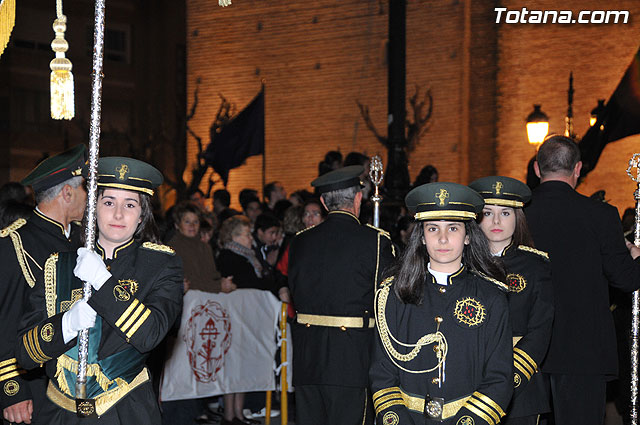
(67, 332)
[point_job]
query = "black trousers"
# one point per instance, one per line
(578, 399)
(332, 404)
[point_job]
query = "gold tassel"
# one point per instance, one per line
(62, 102)
(7, 20)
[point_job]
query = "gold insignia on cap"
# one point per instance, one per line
(442, 196)
(465, 420)
(390, 418)
(469, 311)
(11, 388)
(46, 333)
(120, 293)
(497, 186)
(516, 282)
(517, 380)
(122, 170)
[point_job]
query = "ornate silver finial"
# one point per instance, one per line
(634, 162)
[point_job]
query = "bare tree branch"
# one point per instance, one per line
(364, 111)
(420, 123)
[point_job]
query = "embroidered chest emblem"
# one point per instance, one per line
(390, 418)
(76, 294)
(46, 333)
(465, 420)
(516, 282)
(517, 380)
(442, 196)
(497, 186)
(469, 311)
(122, 171)
(125, 289)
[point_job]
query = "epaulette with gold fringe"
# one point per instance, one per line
(496, 282)
(379, 230)
(304, 230)
(12, 227)
(157, 247)
(533, 250)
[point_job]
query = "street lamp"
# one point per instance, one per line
(596, 113)
(537, 126)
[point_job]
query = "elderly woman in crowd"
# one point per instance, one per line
(238, 259)
(200, 270)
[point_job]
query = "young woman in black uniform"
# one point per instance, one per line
(443, 352)
(137, 296)
(530, 292)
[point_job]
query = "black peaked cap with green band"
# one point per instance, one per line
(502, 191)
(444, 201)
(341, 178)
(128, 174)
(57, 169)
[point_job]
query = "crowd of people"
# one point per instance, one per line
(481, 304)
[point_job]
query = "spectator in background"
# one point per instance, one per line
(428, 174)
(281, 207)
(250, 204)
(221, 201)
(15, 203)
(197, 198)
(299, 197)
(200, 271)
(332, 161)
(238, 259)
(273, 192)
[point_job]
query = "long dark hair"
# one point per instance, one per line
(411, 269)
(147, 230)
(521, 234)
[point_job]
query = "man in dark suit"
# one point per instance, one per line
(587, 249)
(334, 268)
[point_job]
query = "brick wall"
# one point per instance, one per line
(319, 57)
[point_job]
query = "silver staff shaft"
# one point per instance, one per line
(92, 187)
(376, 174)
(634, 162)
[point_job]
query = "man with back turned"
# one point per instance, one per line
(587, 249)
(334, 268)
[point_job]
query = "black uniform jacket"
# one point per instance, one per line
(136, 307)
(476, 381)
(531, 310)
(586, 246)
(334, 268)
(24, 248)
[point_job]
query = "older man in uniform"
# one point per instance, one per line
(24, 247)
(334, 268)
(587, 249)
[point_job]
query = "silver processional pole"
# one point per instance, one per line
(85, 407)
(634, 162)
(376, 174)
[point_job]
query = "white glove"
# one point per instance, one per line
(90, 268)
(80, 316)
